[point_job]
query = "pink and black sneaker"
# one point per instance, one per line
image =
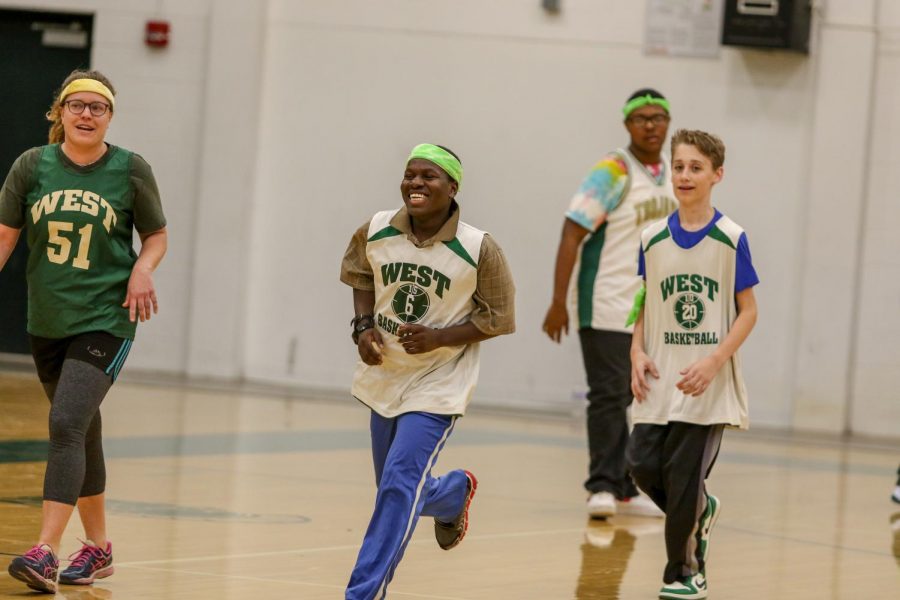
(37, 568)
(88, 564)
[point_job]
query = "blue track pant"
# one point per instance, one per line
(404, 450)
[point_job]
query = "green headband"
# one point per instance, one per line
(636, 103)
(449, 163)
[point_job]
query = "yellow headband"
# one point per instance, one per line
(88, 85)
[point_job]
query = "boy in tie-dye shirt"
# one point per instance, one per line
(625, 191)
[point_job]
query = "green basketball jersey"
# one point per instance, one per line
(79, 225)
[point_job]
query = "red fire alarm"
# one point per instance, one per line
(157, 34)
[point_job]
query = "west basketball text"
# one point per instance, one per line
(389, 325)
(690, 339)
(74, 201)
(418, 274)
(689, 283)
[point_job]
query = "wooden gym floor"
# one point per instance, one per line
(232, 495)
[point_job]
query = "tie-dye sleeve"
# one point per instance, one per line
(600, 192)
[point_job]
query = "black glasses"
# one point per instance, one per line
(641, 120)
(76, 107)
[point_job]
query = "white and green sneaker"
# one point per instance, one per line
(707, 521)
(688, 588)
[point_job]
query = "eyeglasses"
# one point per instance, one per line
(641, 120)
(76, 107)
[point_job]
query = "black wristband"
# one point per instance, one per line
(360, 323)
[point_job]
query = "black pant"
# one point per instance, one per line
(607, 361)
(76, 373)
(671, 463)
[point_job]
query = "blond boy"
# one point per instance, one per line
(686, 374)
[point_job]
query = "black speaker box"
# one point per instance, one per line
(775, 24)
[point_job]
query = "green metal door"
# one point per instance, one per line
(37, 51)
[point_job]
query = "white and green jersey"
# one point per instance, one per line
(433, 286)
(689, 309)
(615, 202)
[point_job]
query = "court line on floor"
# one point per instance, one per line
(489, 536)
(162, 561)
(294, 441)
(775, 536)
(495, 536)
(284, 581)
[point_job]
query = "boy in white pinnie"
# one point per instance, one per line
(695, 311)
(427, 289)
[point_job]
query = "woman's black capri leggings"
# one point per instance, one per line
(76, 373)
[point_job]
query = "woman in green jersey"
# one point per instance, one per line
(79, 199)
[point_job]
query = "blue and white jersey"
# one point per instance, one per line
(692, 279)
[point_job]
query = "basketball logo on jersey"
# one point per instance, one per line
(410, 303)
(689, 311)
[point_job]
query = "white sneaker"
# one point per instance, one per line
(689, 588)
(639, 506)
(896, 495)
(601, 505)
